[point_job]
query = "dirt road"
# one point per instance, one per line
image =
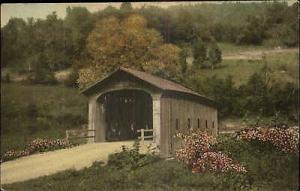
(255, 54)
(48, 163)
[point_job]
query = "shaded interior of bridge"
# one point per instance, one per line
(126, 111)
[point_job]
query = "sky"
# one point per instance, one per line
(41, 10)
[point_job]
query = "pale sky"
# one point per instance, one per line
(41, 10)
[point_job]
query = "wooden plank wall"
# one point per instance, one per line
(183, 109)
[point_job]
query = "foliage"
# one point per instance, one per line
(126, 6)
(78, 22)
(29, 43)
(71, 80)
(165, 62)
(260, 95)
(286, 140)
(206, 54)
(38, 111)
(214, 55)
(127, 43)
(30, 47)
(11, 39)
(253, 32)
(267, 170)
(130, 159)
(183, 60)
(197, 153)
(199, 52)
(35, 146)
(236, 22)
(216, 162)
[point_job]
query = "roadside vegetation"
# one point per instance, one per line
(266, 168)
(38, 111)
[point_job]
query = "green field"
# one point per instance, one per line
(268, 170)
(38, 111)
(284, 68)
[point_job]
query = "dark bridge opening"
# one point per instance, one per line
(126, 111)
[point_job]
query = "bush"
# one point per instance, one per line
(268, 168)
(43, 145)
(37, 145)
(130, 159)
(195, 144)
(286, 140)
(198, 154)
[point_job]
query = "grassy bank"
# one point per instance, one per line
(283, 68)
(268, 169)
(38, 111)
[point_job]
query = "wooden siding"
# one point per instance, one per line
(167, 107)
(182, 109)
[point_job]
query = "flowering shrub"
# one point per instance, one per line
(216, 161)
(286, 140)
(41, 145)
(196, 143)
(12, 154)
(37, 145)
(198, 154)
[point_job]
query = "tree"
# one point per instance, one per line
(79, 23)
(199, 52)
(253, 32)
(165, 62)
(126, 6)
(129, 43)
(183, 57)
(159, 19)
(214, 55)
(185, 29)
(13, 44)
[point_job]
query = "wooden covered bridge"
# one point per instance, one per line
(129, 100)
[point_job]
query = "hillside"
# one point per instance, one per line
(38, 111)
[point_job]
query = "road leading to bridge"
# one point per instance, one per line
(48, 163)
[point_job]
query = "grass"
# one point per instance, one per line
(283, 68)
(229, 48)
(38, 111)
(268, 169)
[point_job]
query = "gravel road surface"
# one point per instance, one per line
(43, 164)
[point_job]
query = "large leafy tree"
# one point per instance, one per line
(13, 42)
(129, 43)
(78, 23)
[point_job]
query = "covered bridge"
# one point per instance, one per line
(128, 100)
